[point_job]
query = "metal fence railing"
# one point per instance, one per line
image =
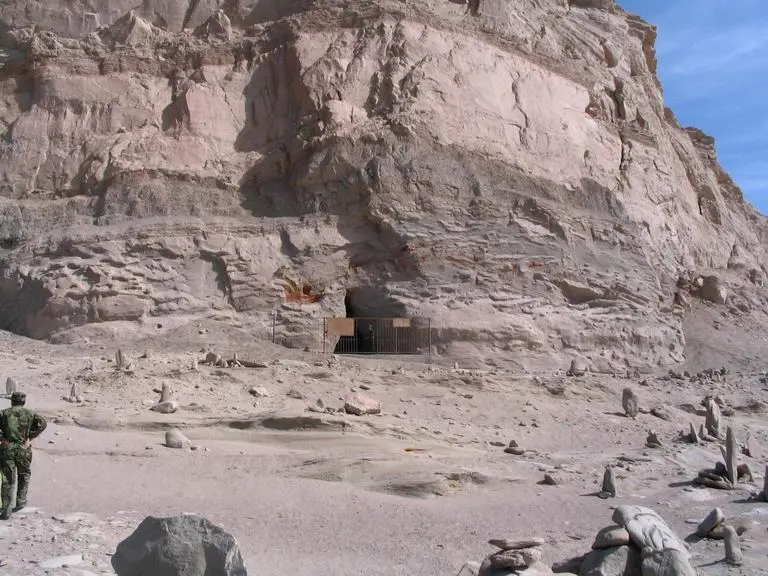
(393, 336)
(411, 335)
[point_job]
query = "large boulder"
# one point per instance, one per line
(647, 529)
(616, 561)
(187, 545)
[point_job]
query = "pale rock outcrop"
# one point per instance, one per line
(512, 175)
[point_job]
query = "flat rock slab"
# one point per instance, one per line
(618, 561)
(508, 544)
(647, 529)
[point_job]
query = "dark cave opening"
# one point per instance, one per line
(377, 324)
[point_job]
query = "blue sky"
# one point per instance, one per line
(713, 65)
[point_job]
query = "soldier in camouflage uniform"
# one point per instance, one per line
(18, 427)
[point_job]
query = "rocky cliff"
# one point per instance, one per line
(505, 167)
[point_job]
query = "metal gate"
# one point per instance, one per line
(377, 335)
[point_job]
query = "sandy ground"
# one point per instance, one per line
(417, 490)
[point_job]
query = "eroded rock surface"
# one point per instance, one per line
(512, 173)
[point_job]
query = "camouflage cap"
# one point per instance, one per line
(18, 397)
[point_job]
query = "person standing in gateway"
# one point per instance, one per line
(18, 427)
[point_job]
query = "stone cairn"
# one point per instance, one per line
(512, 557)
(716, 527)
(166, 405)
(727, 475)
(638, 542)
(74, 396)
(121, 362)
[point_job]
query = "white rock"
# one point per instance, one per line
(359, 405)
(175, 439)
(165, 407)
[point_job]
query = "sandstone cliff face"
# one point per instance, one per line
(512, 174)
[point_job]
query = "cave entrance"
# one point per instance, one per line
(377, 324)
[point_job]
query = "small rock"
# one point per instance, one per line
(175, 439)
(744, 473)
(733, 553)
(711, 522)
(515, 451)
(662, 412)
(550, 480)
(721, 470)
(608, 489)
(165, 407)
(692, 436)
(166, 394)
(653, 440)
(611, 536)
(578, 367)
(360, 405)
(556, 389)
(630, 403)
(295, 394)
(258, 392)
(741, 525)
(712, 422)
